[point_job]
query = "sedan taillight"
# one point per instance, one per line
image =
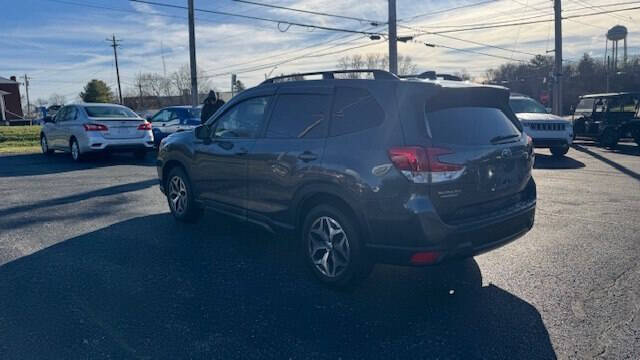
(95, 127)
(145, 126)
(422, 165)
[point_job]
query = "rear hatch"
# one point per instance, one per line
(121, 128)
(478, 159)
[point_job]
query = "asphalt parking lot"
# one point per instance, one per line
(93, 266)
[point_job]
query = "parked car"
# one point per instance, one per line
(174, 119)
(87, 128)
(546, 130)
(410, 172)
(608, 117)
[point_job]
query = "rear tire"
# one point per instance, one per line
(44, 145)
(559, 151)
(333, 249)
(609, 138)
(74, 148)
(180, 197)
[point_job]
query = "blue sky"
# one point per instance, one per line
(61, 43)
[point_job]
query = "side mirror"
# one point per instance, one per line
(47, 119)
(202, 132)
(148, 117)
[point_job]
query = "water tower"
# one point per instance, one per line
(615, 34)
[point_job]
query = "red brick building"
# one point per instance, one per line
(10, 104)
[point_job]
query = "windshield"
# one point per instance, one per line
(524, 105)
(109, 112)
(195, 112)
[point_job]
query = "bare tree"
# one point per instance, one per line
(57, 99)
(181, 80)
(375, 61)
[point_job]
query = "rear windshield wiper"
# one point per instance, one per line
(503, 137)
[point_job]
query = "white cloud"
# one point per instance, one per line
(63, 53)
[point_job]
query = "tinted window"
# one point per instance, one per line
(299, 116)
(243, 120)
(60, 114)
(468, 125)
(162, 116)
(109, 112)
(71, 113)
(354, 110)
(585, 106)
(524, 105)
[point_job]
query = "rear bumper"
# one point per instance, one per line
(464, 240)
(97, 143)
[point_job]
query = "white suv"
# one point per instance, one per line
(546, 130)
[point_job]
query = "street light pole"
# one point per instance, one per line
(192, 57)
(393, 38)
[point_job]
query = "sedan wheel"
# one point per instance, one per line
(329, 247)
(45, 146)
(75, 151)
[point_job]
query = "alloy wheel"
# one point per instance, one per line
(329, 247)
(75, 150)
(178, 195)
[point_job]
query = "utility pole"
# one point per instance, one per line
(26, 87)
(233, 85)
(192, 57)
(557, 78)
(140, 88)
(393, 38)
(114, 44)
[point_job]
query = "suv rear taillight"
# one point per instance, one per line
(144, 126)
(95, 127)
(422, 164)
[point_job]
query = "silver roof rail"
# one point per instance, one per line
(328, 75)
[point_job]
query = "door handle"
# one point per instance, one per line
(307, 156)
(242, 151)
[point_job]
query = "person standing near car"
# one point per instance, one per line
(211, 105)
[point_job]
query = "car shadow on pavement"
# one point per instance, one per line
(39, 164)
(623, 169)
(153, 288)
(549, 162)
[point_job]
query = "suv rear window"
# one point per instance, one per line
(354, 110)
(468, 125)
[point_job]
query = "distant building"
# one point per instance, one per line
(10, 104)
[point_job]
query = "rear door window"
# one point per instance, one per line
(299, 116)
(469, 125)
(354, 110)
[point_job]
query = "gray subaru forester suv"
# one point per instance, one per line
(370, 170)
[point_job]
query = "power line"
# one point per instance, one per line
(319, 13)
(249, 17)
(468, 51)
(527, 22)
(446, 10)
(472, 42)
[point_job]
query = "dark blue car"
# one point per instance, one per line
(174, 119)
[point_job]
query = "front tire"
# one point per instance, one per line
(44, 145)
(333, 249)
(180, 197)
(559, 151)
